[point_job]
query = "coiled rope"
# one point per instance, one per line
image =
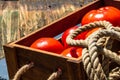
(83, 43)
(95, 46)
(22, 70)
(94, 51)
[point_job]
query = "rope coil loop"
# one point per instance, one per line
(26, 67)
(22, 70)
(108, 53)
(115, 74)
(83, 43)
(98, 43)
(55, 75)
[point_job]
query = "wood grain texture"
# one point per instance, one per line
(11, 60)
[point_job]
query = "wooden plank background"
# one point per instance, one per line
(19, 18)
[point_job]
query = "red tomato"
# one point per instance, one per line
(107, 13)
(67, 32)
(48, 44)
(72, 52)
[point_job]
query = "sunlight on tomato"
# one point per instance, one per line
(48, 44)
(72, 52)
(107, 13)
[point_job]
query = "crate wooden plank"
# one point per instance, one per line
(76, 70)
(46, 62)
(45, 67)
(11, 60)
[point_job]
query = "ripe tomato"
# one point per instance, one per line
(72, 52)
(48, 44)
(67, 32)
(107, 13)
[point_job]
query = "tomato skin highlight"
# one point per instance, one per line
(107, 13)
(48, 44)
(72, 52)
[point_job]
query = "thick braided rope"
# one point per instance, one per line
(115, 74)
(22, 70)
(113, 34)
(87, 64)
(107, 42)
(104, 41)
(55, 75)
(26, 67)
(83, 43)
(105, 60)
(95, 62)
(70, 40)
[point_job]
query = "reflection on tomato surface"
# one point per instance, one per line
(48, 44)
(72, 52)
(108, 13)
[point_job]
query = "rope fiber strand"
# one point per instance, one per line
(22, 70)
(26, 67)
(55, 75)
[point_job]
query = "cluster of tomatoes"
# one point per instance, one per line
(107, 13)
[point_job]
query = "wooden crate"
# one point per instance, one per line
(19, 53)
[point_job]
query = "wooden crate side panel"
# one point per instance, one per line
(60, 25)
(11, 60)
(76, 71)
(44, 64)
